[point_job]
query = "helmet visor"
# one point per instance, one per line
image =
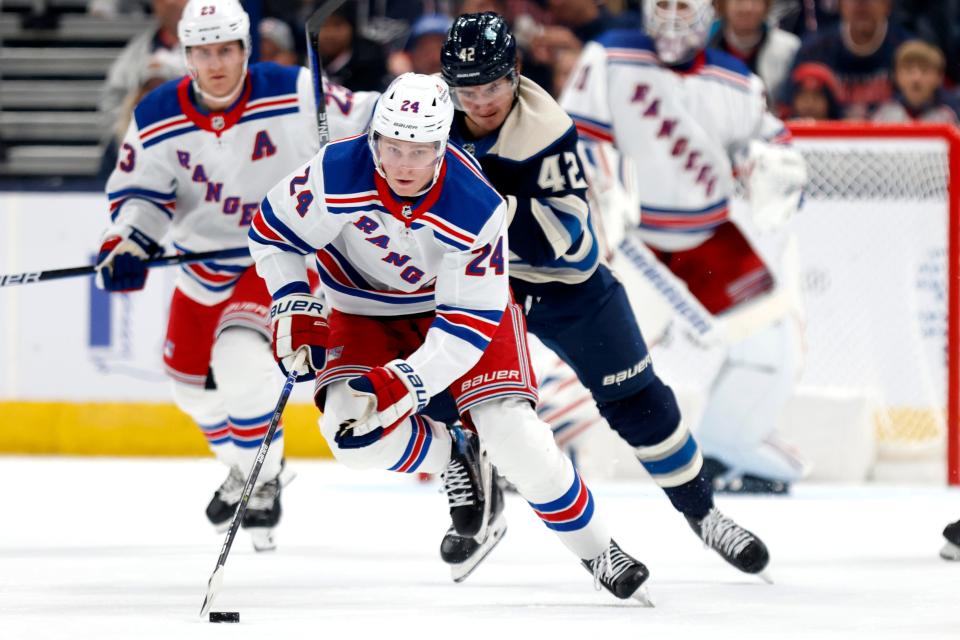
(465, 97)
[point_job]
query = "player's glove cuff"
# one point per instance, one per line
(298, 323)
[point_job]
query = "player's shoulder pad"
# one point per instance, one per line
(160, 104)
(269, 79)
(722, 59)
(468, 199)
(626, 39)
(347, 166)
(534, 125)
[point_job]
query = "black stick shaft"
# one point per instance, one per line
(213, 584)
(30, 277)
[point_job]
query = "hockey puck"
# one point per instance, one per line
(224, 616)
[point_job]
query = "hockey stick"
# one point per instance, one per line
(216, 578)
(30, 277)
(314, 22)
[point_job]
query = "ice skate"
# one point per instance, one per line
(224, 502)
(263, 514)
(951, 550)
(724, 480)
(736, 545)
(467, 481)
(620, 574)
(465, 553)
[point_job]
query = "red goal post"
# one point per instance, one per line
(909, 134)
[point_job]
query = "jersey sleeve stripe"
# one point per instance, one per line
(481, 325)
(270, 219)
(466, 334)
(592, 129)
(118, 206)
(491, 315)
(298, 286)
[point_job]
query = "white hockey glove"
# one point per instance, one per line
(298, 323)
(393, 393)
(121, 262)
(774, 176)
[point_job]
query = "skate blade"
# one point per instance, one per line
(950, 551)
(460, 572)
(765, 576)
(262, 539)
(488, 481)
(642, 595)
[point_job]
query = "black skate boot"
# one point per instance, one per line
(466, 483)
(465, 553)
(225, 499)
(736, 545)
(263, 514)
(620, 574)
(951, 550)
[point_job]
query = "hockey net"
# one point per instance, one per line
(878, 274)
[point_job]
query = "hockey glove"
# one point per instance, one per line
(393, 393)
(298, 323)
(121, 263)
(775, 177)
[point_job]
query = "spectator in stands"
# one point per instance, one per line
(421, 54)
(815, 93)
(859, 50)
(744, 33)
(152, 47)
(937, 22)
(276, 42)
(918, 79)
(348, 58)
(807, 17)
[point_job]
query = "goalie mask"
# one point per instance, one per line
(679, 28)
(414, 108)
(210, 22)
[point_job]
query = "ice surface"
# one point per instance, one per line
(99, 548)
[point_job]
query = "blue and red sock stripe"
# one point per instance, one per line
(216, 434)
(571, 511)
(421, 435)
(248, 433)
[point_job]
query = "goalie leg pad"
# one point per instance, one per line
(417, 444)
(747, 400)
(246, 376)
(521, 446)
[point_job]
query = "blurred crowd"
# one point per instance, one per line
(881, 60)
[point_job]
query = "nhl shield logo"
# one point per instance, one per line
(407, 211)
(218, 123)
(470, 148)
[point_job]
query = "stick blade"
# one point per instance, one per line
(213, 588)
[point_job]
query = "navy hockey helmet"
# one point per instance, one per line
(479, 49)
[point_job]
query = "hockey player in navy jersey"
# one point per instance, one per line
(411, 247)
(199, 155)
(527, 146)
(686, 115)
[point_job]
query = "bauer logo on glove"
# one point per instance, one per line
(298, 323)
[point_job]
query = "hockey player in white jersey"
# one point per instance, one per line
(411, 247)
(682, 113)
(199, 155)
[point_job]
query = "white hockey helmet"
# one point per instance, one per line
(414, 108)
(679, 28)
(209, 22)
